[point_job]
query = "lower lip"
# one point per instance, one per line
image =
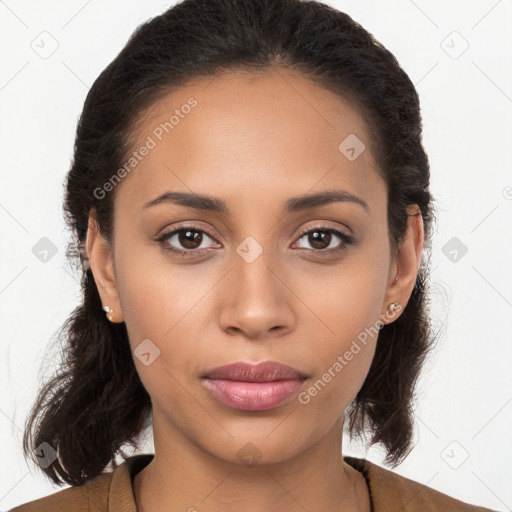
(252, 396)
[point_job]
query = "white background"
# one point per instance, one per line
(464, 403)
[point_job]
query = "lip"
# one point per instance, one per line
(249, 387)
(267, 371)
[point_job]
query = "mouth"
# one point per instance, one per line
(250, 387)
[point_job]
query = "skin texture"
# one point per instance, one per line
(253, 141)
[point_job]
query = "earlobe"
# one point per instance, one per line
(100, 258)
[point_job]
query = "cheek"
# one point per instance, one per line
(341, 361)
(159, 314)
(156, 295)
(344, 322)
(165, 304)
(346, 299)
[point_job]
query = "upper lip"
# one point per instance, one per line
(267, 371)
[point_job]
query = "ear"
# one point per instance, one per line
(101, 263)
(404, 270)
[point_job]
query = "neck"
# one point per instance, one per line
(182, 476)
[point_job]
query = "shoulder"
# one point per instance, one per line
(109, 491)
(73, 499)
(391, 491)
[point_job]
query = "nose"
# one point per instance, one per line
(256, 301)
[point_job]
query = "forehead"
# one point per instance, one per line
(264, 135)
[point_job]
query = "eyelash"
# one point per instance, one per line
(346, 239)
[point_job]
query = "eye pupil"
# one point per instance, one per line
(188, 237)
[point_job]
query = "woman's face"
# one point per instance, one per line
(244, 284)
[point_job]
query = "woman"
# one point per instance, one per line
(250, 202)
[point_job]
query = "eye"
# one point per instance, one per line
(321, 238)
(188, 238)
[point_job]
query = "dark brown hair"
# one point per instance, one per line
(96, 403)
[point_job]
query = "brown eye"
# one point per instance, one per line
(321, 238)
(185, 240)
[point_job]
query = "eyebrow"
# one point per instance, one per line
(292, 205)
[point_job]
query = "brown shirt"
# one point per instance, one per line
(113, 492)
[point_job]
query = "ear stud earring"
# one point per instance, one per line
(392, 306)
(108, 311)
